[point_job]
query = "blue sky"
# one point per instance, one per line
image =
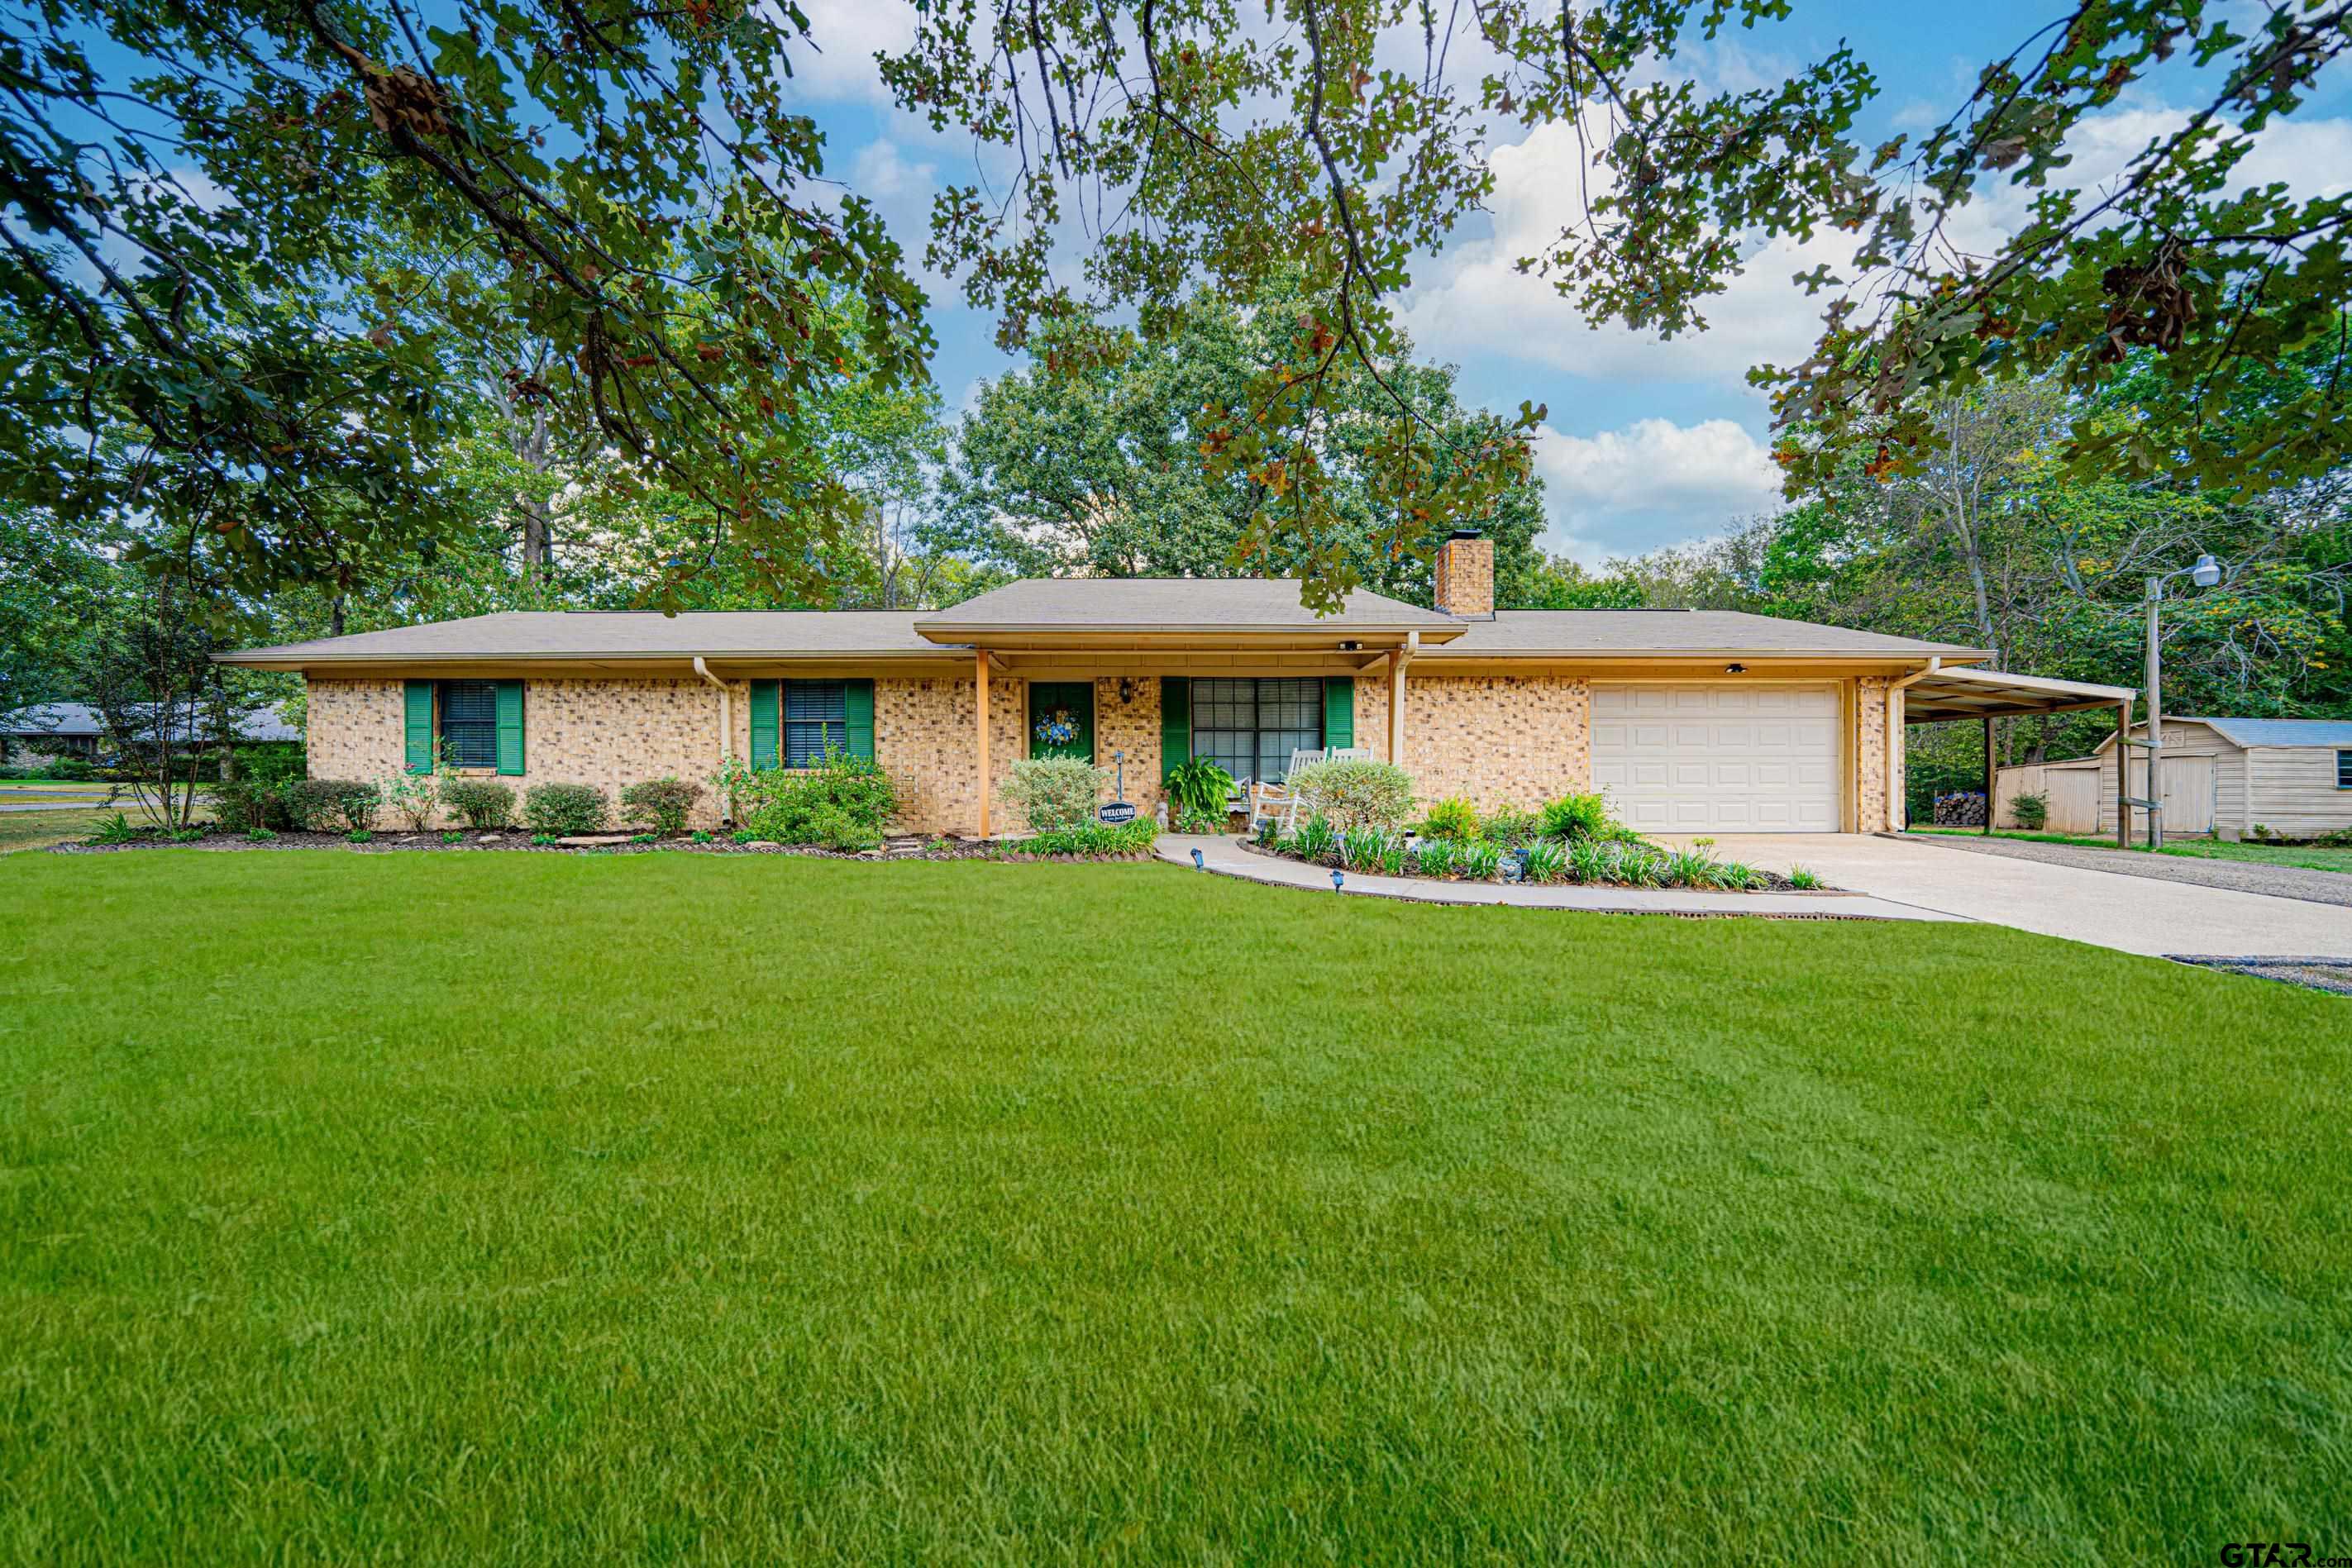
(1648, 443)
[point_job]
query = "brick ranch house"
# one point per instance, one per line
(1692, 721)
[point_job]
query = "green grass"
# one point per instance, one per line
(2312, 857)
(523, 1208)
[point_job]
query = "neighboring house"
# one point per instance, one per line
(76, 729)
(69, 729)
(1693, 721)
(2221, 776)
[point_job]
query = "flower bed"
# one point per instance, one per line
(1614, 859)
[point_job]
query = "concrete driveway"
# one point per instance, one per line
(2136, 915)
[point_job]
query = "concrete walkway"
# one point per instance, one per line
(2135, 914)
(1226, 857)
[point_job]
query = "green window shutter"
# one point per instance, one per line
(765, 702)
(857, 704)
(509, 727)
(1338, 710)
(1175, 723)
(417, 726)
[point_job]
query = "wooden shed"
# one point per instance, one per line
(2221, 776)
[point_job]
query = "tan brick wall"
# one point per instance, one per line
(1870, 752)
(923, 738)
(1502, 740)
(354, 730)
(608, 732)
(1132, 726)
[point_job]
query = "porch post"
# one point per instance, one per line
(1397, 659)
(980, 710)
(1989, 776)
(2123, 774)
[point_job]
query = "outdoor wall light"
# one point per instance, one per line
(1352, 647)
(1735, 669)
(1125, 690)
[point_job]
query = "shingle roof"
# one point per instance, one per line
(2279, 731)
(1528, 632)
(1238, 605)
(624, 634)
(51, 719)
(1235, 603)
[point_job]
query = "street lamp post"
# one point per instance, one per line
(2205, 573)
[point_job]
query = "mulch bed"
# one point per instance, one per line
(893, 849)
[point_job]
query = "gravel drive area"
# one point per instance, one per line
(2239, 876)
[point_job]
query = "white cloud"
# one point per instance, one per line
(845, 34)
(1475, 300)
(1651, 483)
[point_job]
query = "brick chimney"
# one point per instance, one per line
(1466, 575)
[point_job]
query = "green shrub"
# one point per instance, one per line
(662, 804)
(1200, 788)
(411, 796)
(1578, 816)
(1547, 861)
(1479, 861)
(1513, 827)
(1356, 792)
(1053, 792)
(115, 830)
(1317, 837)
(250, 805)
(1199, 820)
(1437, 857)
(1094, 839)
(331, 805)
(564, 810)
(1693, 868)
(1452, 818)
(841, 803)
(1803, 880)
(2032, 811)
(1363, 849)
(484, 803)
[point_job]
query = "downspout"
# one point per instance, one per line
(726, 716)
(1895, 690)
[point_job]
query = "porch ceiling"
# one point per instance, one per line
(1948, 694)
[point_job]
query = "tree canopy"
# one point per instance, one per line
(1091, 463)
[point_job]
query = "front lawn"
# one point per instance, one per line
(2312, 857)
(529, 1207)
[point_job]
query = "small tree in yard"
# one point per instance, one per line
(147, 669)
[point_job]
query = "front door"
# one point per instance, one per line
(1062, 719)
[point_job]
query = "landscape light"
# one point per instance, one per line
(1198, 863)
(1337, 878)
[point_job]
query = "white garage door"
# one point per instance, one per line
(1736, 759)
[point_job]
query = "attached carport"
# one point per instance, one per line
(1944, 696)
